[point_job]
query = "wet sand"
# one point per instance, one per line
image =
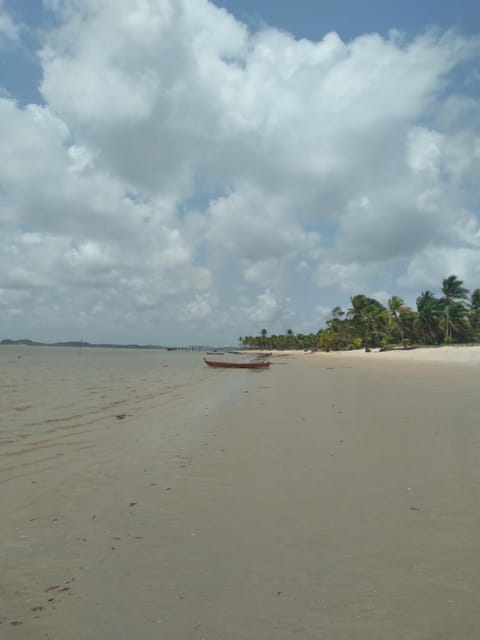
(333, 496)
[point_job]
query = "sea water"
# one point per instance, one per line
(55, 401)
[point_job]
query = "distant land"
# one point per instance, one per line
(77, 343)
(90, 345)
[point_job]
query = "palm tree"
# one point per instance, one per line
(368, 315)
(460, 328)
(396, 311)
(429, 313)
(358, 312)
(339, 330)
(337, 312)
(474, 313)
(264, 333)
(378, 317)
(453, 302)
(290, 341)
(395, 303)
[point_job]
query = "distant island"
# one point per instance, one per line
(91, 345)
(78, 343)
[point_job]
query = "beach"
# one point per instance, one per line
(334, 495)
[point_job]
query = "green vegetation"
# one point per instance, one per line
(451, 318)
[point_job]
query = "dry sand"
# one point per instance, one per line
(335, 497)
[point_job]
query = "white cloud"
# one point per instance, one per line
(348, 277)
(201, 308)
(424, 151)
(269, 308)
(185, 168)
(433, 264)
(9, 29)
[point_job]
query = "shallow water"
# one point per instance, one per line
(55, 400)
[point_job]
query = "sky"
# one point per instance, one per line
(179, 172)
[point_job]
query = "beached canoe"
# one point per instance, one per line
(237, 365)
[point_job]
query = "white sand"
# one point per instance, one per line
(441, 355)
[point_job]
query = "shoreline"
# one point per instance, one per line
(442, 354)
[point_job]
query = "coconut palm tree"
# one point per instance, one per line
(338, 330)
(368, 315)
(429, 312)
(397, 314)
(457, 320)
(474, 313)
(453, 303)
(290, 339)
(358, 313)
(264, 334)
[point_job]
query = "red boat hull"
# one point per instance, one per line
(236, 365)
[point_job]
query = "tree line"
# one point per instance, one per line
(453, 317)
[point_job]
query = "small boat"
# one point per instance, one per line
(236, 365)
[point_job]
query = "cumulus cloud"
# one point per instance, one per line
(427, 269)
(268, 308)
(9, 29)
(184, 170)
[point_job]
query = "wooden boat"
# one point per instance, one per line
(237, 365)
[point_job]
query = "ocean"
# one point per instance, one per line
(58, 401)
